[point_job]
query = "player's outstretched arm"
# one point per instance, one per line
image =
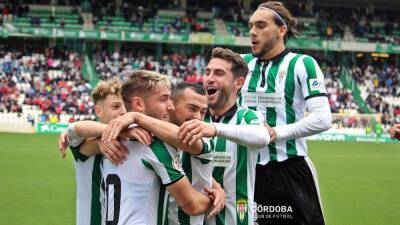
(88, 129)
(85, 133)
(190, 201)
(166, 131)
(319, 120)
(252, 136)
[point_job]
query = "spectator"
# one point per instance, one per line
(62, 23)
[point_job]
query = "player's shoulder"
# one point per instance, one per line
(303, 59)
(161, 150)
(157, 145)
(305, 64)
(248, 57)
(249, 116)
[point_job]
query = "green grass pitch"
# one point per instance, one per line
(360, 182)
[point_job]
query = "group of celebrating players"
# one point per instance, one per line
(221, 153)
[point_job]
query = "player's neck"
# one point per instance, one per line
(221, 111)
(274, 52)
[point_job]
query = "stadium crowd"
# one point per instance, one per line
(179, 67)
(380, 87)
(50, 80)
(37, 80)
(340, 98)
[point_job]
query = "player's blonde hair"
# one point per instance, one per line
(106, 88)
(141, 82)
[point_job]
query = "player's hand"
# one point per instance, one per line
(116, 125)
(395, 131)
(63, 143)
(272, 133)
(139, 134)
(217, 194)
(114, 151)
(191, 131)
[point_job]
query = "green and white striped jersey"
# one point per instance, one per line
(198, 170)
(234, 169)
(134, 192)
(88, 178)
(279, 88)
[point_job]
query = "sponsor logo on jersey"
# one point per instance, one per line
(241, 208)
(315, 85)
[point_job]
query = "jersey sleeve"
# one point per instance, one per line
(310, 77)
(247, 57)
(75, 143)
(206, 155)
(165, 161)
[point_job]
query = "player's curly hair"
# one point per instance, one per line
(106, 88)
(283, 12)
(141, 82)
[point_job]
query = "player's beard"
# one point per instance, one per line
(156, 113)
(266, 47)
(223, 97)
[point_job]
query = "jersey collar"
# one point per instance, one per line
(275, 59)
(228, 114)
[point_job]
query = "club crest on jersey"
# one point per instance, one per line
(177, 163)
(241, 208)
(281, 75)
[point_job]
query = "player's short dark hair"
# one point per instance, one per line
(183, 86)
(239, 66)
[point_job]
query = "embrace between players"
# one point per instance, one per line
(162, 157)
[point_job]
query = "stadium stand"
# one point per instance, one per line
(43, 84)
(67, 94)
(33, 81)
(177, 67)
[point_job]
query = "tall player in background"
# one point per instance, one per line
(281, 85)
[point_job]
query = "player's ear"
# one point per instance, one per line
(239, 82)
(282, 31)
(137, 104)
(98, 110)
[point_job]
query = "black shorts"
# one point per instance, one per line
(285, 193)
